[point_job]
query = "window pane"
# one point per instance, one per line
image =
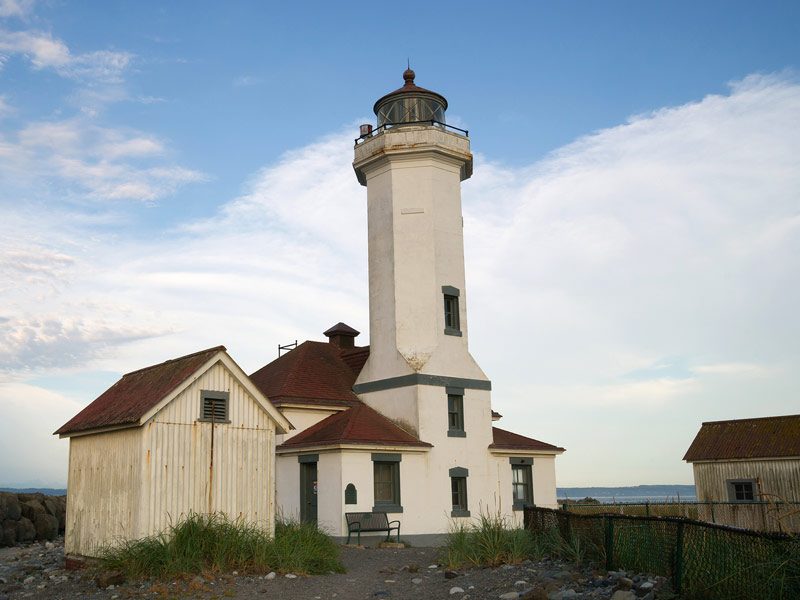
(386, 479)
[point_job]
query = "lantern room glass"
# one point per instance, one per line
(410, 109)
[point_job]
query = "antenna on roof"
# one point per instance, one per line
(287, 347)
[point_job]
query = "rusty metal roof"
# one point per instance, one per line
(131, 397)
(506, 440)
(358, 425)
(313, 373)
(746, 438)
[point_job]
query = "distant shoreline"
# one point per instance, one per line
(46, 491)
(635, 493)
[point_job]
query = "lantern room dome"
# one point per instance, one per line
(410, 104)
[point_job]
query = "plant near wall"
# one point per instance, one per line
(212, 543)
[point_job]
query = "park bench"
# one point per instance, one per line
(370, 521)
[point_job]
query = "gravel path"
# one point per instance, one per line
(36, 571)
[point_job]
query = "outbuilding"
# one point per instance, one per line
(192, 434)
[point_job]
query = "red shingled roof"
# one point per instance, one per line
(746, 438)
(316, 373)
(357, 425)
(505, 440)
(131, 397)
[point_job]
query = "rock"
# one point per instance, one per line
(433, 566)
(623, 583)
(520, 582)
(108, 578)
(392, 545)
(509, 596)
(416, 580)
(564, 595)
(8, 533)
(13, 509)
(413, 568)
(535, 594)
(26, 532)
(290, 576)
(270, 575)
(46, 526)
(456, 590)
(451, 574)
(623, 595)
(647, 585)
(31, 508)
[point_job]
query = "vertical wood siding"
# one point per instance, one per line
(779, 480)
(103, 491)
(135, 482)
(177, 472)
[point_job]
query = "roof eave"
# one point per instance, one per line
(351, 446)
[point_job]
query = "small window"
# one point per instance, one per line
(214, 406)
(521, 482)
(455, 413)
(386, 478)
(452, 319)
(458, 491)
(742, 490)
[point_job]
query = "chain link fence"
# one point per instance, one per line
(780, 516)
(704, 560)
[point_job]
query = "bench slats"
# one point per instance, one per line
(370, 521)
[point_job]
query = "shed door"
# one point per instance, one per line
(308, 492)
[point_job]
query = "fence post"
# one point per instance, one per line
(609, 543)
(647, 508)
(678, 556)
(712, 512)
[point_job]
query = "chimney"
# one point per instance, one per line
(342, 335)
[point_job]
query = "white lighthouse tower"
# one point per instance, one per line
(419, 371)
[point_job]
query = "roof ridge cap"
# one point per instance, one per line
(749, 419)
(219, 348)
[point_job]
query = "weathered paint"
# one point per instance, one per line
(103, 491)
(145, 478)
(778, 481)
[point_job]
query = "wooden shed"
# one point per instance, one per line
(747, 460)
(189, 434)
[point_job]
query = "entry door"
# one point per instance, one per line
(308, 492)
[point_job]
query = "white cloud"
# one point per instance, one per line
(15, 8)
(105, 164)
(46, 52)
(246, 81)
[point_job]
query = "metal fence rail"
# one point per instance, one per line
(705, 560)
(779, 516)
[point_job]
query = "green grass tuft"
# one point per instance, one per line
(203, 543)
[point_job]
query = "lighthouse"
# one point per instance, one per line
(419, 370)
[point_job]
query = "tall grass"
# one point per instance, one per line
(488, 541)
(491, 541)
(203, 543)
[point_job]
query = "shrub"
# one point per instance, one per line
(213, 543)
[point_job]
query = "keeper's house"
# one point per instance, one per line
(189, 434)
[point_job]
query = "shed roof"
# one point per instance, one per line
(315, 373)
(357, 425)
(506, 440)
(746, 438)
(136, 393)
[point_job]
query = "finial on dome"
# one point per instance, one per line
(409, 75)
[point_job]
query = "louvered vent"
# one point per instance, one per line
(215, 406)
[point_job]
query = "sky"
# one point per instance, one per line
(175, 176)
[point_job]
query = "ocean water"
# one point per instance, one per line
(651, 498)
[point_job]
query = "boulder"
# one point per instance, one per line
(46, 526)
(12, 507)
(31, 508)
(50, 505)
(26, 532)
(8, 533)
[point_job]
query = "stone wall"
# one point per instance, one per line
(28, 517)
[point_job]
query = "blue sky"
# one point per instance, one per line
(177, 175)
